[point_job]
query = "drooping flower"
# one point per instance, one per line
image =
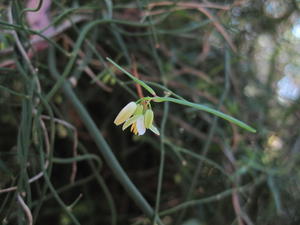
(139, 120)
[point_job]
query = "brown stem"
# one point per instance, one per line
(136, 74)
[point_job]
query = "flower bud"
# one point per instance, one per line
(148, 118)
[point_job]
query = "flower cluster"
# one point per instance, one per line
(138, 116)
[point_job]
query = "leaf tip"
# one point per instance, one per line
(251, 129)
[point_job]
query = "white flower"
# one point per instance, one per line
(135, 116)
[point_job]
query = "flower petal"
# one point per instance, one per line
(130, 121)
(140, 125)
(154, 130)
(148, 118)
(125, 113)
(139, 110)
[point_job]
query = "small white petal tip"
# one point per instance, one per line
(140, 126)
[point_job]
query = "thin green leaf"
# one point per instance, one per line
(144, 85)
(13, 92)
(206, 109)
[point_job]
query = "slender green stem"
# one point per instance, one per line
(197, 156)
(104, 187)
(38, 7)
(144, 85)
(56, 196)
(213, 198)
(208, 142)
(202, 108)
(77, 159)
(162, 159)
(210, 110)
